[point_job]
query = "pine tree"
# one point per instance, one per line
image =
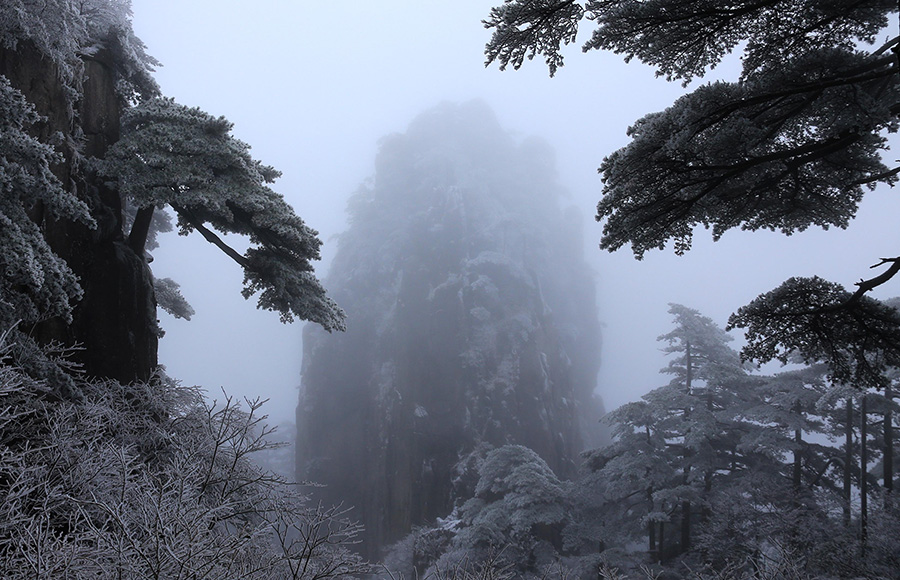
(630, 472)
(89, 150)
(183, 158)
(685, 440)
(794, 142)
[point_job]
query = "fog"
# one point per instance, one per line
(314, 86)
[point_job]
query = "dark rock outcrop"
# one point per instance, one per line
(471, 324)
(114, 325)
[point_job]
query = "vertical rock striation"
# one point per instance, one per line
(114, 325)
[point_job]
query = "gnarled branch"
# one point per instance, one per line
(864, 286)
(211, 237)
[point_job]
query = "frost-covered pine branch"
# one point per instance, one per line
(65, 30)
(181, 157)
(795, 141)
(35, 283)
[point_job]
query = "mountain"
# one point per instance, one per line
(471, 324)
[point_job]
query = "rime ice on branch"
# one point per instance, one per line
(184, 158)
(795, 141)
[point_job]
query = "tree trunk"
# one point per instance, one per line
(797, 472)
(686, 505)
(848, 461)
(662, 541)
(705, 512)
(863, 480)
(140, 229)
(888, 447)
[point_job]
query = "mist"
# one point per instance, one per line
(460, 382)
(313, 89)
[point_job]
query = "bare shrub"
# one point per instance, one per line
(150, 481)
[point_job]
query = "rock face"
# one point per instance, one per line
(471, 324)
(115, 322)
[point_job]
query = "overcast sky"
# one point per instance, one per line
(313, 86)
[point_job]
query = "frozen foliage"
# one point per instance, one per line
(718, 474)
(78, 217)
(150, 481)
(172, 155)
(681, 440)
(65, 30)
(817, 320)
(525, 29)
(77, 64)
(495, 566)
(774, 151)
(35, 283)
(516, 492)
(682, 37)
(169, 298)
(795, 142)
(738, 475)
(518, 522)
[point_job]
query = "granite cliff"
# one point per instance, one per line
(114, 325)
(471, 324)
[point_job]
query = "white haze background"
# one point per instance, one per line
(313, 86)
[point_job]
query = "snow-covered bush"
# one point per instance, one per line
(520, 523)
(150, 481)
